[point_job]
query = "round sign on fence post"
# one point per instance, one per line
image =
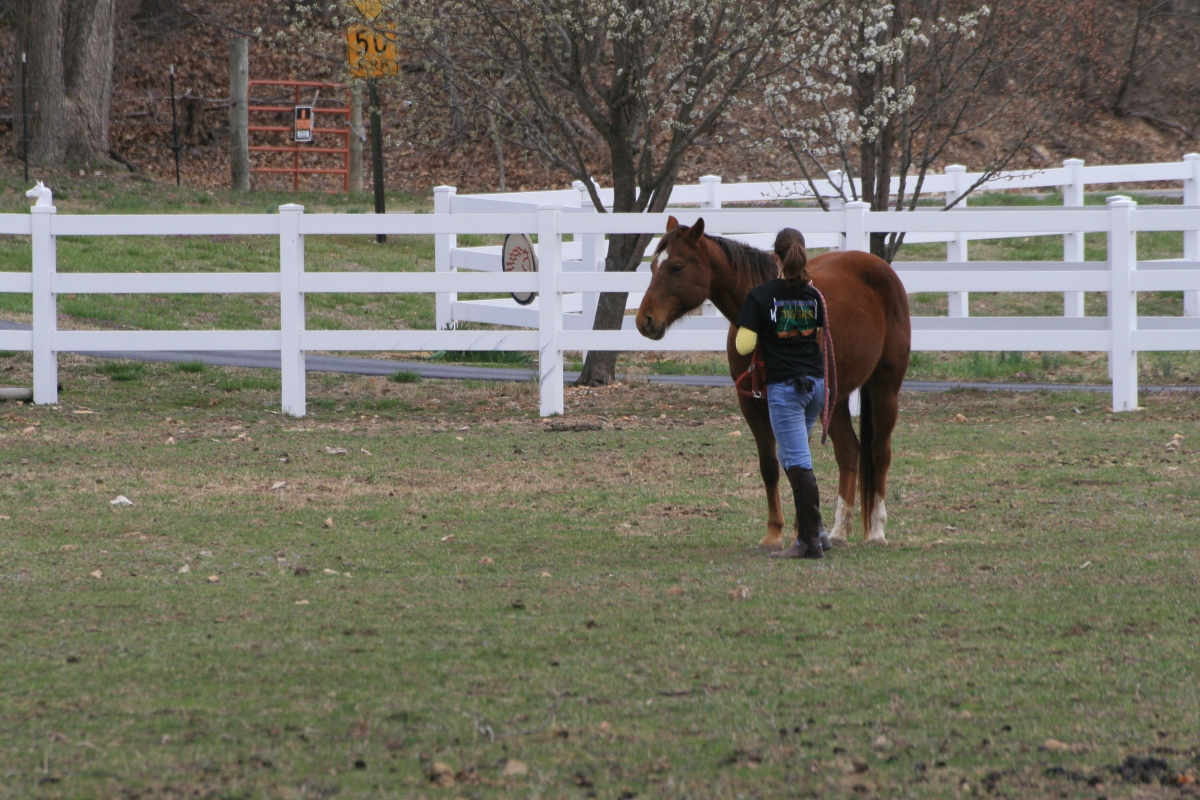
(518, 256)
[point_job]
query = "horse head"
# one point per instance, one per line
(680, 278)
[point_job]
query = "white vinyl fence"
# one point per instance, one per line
(588, 251)
(1122, 333)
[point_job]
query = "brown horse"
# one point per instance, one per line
(868, 318)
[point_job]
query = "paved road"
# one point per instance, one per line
(269, 359)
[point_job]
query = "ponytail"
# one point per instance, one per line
(792, 256)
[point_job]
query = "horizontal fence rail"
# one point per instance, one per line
(556, 321)
(588, 252)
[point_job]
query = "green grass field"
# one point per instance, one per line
(462, 604)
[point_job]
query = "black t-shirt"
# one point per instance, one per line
(786, 321)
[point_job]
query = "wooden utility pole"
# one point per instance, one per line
(239, 116)
(376, 154)
(174, 126)
(356, 140)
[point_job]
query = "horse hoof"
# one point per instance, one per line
(837, 541)
(770, 547)
(879, 540)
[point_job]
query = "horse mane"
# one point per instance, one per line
(756, 266)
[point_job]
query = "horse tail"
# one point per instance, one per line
(866, 465)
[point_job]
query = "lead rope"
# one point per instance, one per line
(830, 367)
(756, 372)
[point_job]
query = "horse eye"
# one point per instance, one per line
(676, 269)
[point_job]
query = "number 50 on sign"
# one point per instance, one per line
(371, 52)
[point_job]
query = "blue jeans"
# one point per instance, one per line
(793, 414)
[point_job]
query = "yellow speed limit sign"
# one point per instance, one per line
(371, 51)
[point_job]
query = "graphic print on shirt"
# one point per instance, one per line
(794, 318)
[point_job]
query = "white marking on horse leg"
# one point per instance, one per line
(878, 521)
(843, 520)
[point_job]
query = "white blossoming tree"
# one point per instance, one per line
(619, 87)
(890, 84)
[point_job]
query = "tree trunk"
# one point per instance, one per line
(1131, 65)
(624, 250)
(70, 58)
(884, 147)
(624, 255)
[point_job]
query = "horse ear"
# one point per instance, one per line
(672, 224)
(696, 231)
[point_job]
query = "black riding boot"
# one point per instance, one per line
(808, 516)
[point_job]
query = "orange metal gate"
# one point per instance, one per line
(297, 148)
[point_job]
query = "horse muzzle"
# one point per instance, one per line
(650, 327)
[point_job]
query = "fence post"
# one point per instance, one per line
(45, 305)
(356, 139)
(1122, 304)
(291, 311)
(443, 243)
(713, 182)
(856, 236)
(550, 357)
(591, 244)
(1073, 242)
(837, 203)
(956, 250)
(1191, 239)
(239, 113)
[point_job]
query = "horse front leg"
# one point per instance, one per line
(845, 450)
(759, 420)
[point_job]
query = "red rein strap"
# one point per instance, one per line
(757, 374)
(830, 367)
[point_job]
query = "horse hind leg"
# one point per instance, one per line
(759, 420)
(845, 450)
(885, 408)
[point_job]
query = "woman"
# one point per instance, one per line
(784, 317)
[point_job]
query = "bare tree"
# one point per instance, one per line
(913, 76)
(623, 87)
(154, 15)
(1141, 81)
(69, 52)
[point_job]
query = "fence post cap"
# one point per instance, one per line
(1119, 200)
(445, 189)
(857, 204)
(956, 168)
(1191, 157)
(291, 208)
(550, 207)
(44, 197)
(710, 178)
(1073, 162)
